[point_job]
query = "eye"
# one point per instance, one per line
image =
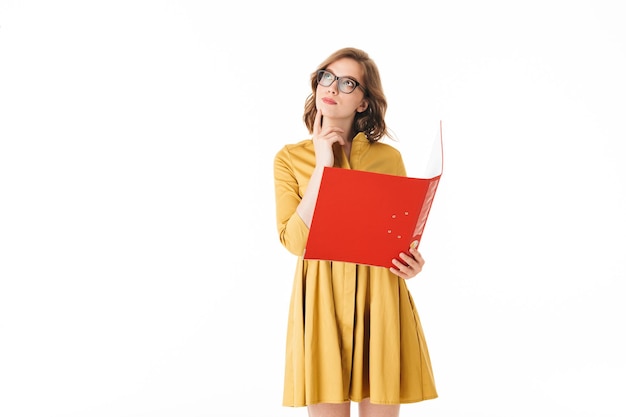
(348, 83)
(328, 76)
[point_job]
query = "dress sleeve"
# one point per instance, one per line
(401, 169)
(292, 230)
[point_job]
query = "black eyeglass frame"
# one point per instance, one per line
(320, 75)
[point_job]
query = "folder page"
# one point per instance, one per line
(369, 218)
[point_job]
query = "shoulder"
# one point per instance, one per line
(384, 158)
(298, 150)
(304, 145)
(378, 147)
(385, 151)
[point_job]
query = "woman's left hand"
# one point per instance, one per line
(410, 266)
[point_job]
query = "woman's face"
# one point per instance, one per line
(335, 103)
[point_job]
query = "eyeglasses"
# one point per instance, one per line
(346, 84)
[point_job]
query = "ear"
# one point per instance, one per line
(362, 107)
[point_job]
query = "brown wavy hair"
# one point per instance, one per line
(372, 120)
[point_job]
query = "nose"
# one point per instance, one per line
(333, 88)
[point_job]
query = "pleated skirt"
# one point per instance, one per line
(353, 333)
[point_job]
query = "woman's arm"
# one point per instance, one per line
(323, 140)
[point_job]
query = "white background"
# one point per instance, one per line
(140, 268)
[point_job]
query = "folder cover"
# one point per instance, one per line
(368, 218)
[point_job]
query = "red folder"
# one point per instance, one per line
(369, 218)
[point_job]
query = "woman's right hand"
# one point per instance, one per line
(323, 140)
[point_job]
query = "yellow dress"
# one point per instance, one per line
(353, 330)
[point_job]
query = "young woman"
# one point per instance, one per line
(353, 332)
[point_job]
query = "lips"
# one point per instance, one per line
(328, 100)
